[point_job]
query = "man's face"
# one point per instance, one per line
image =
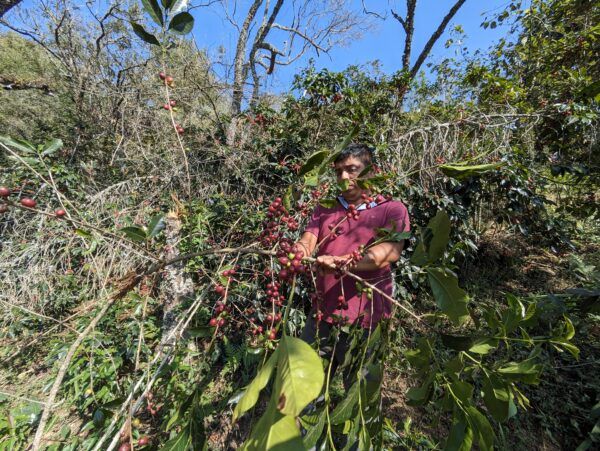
(349, 169)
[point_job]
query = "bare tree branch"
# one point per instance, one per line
(5, 5)
(435, 36)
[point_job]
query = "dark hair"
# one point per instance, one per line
(363, 152)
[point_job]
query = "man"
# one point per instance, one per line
(336, 233)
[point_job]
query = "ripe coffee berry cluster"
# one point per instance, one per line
(171, 104)
(166, 78)
(342, 304)
(221, 312)
(271, 233)
(273, 294)
(290, 258)
(352, 212)
(179, 129)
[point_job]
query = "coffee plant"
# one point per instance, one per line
(155, 291)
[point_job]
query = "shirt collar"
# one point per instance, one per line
(362, 206)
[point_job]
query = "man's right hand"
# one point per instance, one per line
(329, 263)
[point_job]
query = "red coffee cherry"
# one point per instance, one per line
(28, 202)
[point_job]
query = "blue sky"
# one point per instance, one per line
(384, 42)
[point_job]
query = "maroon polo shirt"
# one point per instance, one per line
(353, 234)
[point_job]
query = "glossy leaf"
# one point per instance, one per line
(343, 411)
(155, 226)
(154, 11)
(462, 171)
(482, 428)
(182, 23)
(250, 396)
(274, 431)
(134, 233)
(143, 34)
(177, 6)
(497, 398)
(433, 240)
(460, 438)
(525, 371)
(314, 432)
(483, 345)
(19, 144)
(300, 375)
(342, 145)
(313, 161)
(450, 298)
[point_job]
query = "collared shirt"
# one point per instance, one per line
(362, 206)
(354, 233)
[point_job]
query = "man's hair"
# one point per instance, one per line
(365, 153)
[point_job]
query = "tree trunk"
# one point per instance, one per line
(176, 286)
(239, 68)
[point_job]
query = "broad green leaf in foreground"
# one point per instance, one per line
(300, 375)
(450, 298)
(250, 396)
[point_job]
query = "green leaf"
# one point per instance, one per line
(154, 11)
(343, 411)
(450, 298)
(156, 225)
(373, 182)
(460, 438)
(440, 226)
(287, 199)
(83, 233)
(19, 144)
(497, 398)
(343, 184)
(166, 3)
(143, 34)
(417, 396)
(569, 329)
(420, 357)
(51, 147)
(456, 342)
(592, 90)
(482, 427)
(483, 345)
(462, 390)
(328, 203)
(313, 161)
(181, 442)
(136, 234)
(177, 6)
(300, 375)
(525, 371)
(434, 239)
(572, 349)
(342, 145)
(274, 431)
(314, 432)
(182, 23)
(250, 396)
(462, 171)
(311, 179)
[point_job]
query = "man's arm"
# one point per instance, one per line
(307, 243)
(375, 257)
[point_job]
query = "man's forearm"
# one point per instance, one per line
(378, 257)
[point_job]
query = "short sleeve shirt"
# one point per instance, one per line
(354, 233)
